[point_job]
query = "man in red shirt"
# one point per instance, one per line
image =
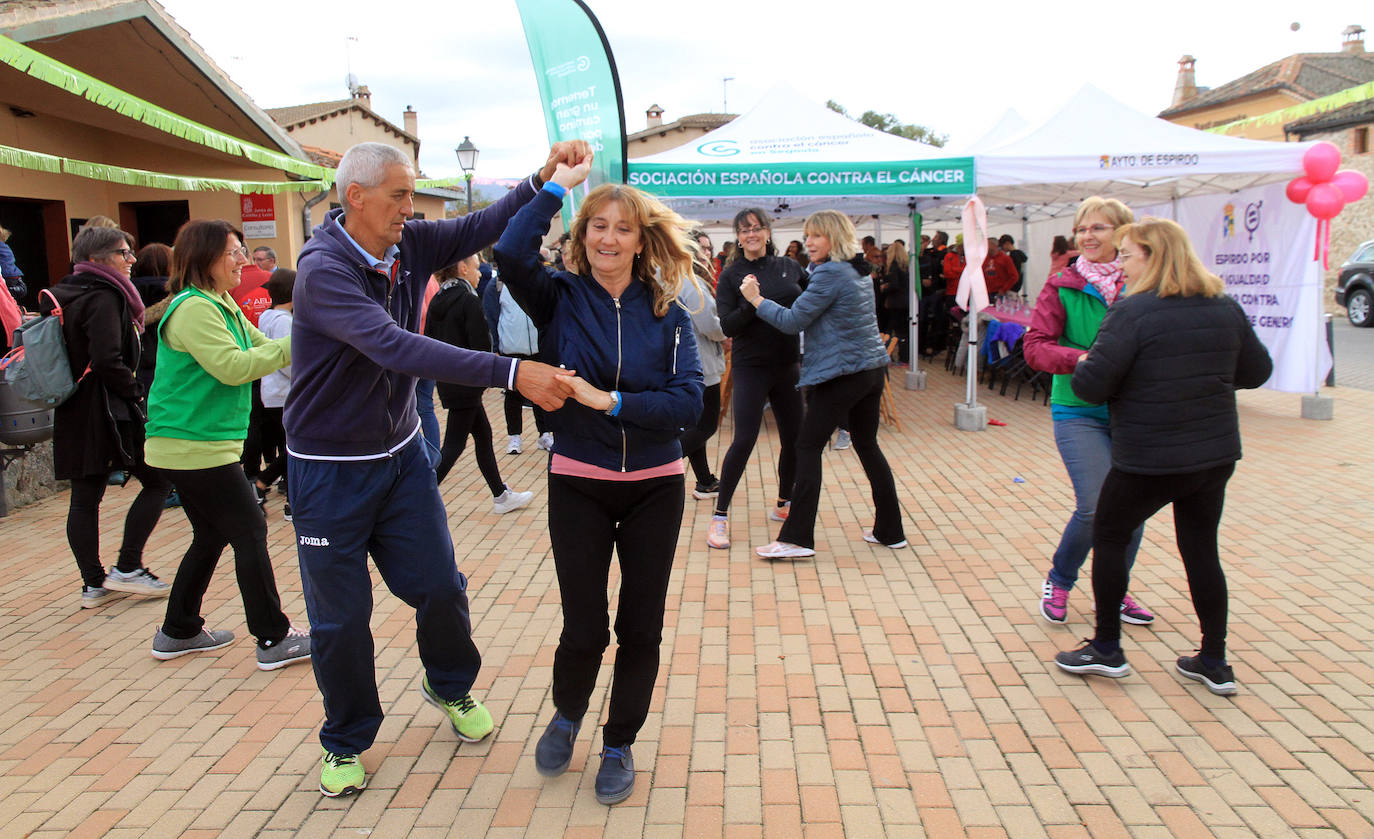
(999, 272)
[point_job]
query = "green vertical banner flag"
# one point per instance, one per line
(578, 86)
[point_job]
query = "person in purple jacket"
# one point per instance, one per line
(359, 479)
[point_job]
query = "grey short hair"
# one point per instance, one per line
(93, 241)
(271, 254)
(365, 165)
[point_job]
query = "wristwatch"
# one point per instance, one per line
(614, 407)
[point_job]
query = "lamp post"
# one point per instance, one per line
(467, 159)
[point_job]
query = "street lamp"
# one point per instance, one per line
(467, 160)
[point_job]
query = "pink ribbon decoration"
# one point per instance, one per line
(971, 282)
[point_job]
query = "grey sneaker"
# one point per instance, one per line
(141, 581)
(289, 650)
(165, 647)
(93, 596)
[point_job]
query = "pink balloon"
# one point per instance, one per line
(1352, 184)
(1298, 189)
(1325, 201)
(1321, 162)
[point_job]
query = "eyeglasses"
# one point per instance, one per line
(240, 252)
(1099, 229)
(1125, 255)
(755, 229)
(124, 252)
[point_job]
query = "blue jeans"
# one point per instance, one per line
(389, 508)
(429, 423)
(1085, 444)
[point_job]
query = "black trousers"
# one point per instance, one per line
(856, 397)
(273, 437)
(255, 448)
(471, 420)
(515, 403)
(694, 439)
(1125, 502)
(753, 387)
(223, 510)
(83, 522)
(640, 520)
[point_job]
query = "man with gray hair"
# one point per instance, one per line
(265, 258)
(358, 477)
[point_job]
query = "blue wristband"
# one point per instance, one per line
(619, 403)
(557, 189)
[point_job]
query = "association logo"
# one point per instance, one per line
(566, 68)
(1104, 162)
(583, 62)
(1228, 221)
(1252, 218)
(719, 148)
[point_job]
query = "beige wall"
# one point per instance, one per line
(1250, 106)
(340, 133)
(662, 142)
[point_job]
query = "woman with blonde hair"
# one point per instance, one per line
(1168, 360)
(1067, 315)
(845, 364)
(615, 473)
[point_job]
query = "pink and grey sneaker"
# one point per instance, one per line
(1054, 602)
(1133, 612)
(718, 533)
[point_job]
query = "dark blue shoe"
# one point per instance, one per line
(555, 749)
(616, 778)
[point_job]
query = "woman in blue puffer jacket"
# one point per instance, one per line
(846, 364)
(615, 473)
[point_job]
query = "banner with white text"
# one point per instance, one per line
(578, 85)
(1260, 244)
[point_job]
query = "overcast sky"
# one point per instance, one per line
(952, 66)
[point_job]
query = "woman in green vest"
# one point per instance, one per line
(207, 358)
(1065, 321)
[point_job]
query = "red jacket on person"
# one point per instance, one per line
(953, 269)
(999, 273)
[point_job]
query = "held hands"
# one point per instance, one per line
(543, 385)
(749, 288)
(570, 152)
(570, 176)
(594, 398)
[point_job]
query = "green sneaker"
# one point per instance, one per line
(341, 774)
(470, 720)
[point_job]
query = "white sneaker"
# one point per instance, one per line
(783, 550)
(513, 447)
(139, 581)
(510, 500)
(868, 537)
(546, 441)
(842, 440)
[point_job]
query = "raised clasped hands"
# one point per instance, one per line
(573, 156)
(749, 288)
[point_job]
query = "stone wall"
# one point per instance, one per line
(30, 478)
(1355, 224)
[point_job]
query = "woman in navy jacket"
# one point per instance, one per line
(615, 473)
(1167, 361)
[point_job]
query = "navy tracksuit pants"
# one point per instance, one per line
(390, 508)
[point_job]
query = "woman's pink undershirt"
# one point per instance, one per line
(561, 465)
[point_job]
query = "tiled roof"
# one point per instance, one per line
(294, 115)
(709, 121)
(1356, 113)
(1306, 75)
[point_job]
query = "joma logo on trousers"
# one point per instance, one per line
(315, 541)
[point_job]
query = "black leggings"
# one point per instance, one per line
(83, 522)
(462, 422)
(273, 438)
(640, 520)
(855, 398)
(223, 511)
(1124, 503)
(694, 440)
(753, 386)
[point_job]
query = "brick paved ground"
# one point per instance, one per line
(865, 693)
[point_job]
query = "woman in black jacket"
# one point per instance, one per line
(100, 428)
(1167, 360)
(764, 366)
(455, 317)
